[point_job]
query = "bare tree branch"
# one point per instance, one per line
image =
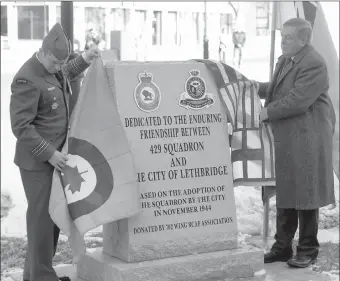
(234, 8)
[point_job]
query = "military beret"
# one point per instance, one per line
(57, 42)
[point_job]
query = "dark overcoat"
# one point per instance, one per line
(302, 118)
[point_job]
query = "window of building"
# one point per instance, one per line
(141, 16)
(4, 26)
(189, 28)
(262, 18)
(226, 21)
(58, 14)
(32, 22)
(157, 28)
(119, 18)
(172, 28)
(140, 22)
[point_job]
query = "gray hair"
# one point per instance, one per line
(303, 28)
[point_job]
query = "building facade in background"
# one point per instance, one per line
(169, 30)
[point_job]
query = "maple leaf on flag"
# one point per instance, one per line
(72, 177)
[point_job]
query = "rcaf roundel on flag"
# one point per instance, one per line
(87, 185)
(99, 184)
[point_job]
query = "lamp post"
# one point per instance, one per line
(66, 18)
(205, 39)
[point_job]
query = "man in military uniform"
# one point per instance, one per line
(39, 111)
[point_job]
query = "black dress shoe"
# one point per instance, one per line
(301, 261)
(271, 257)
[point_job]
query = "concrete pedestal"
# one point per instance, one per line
(220, 265)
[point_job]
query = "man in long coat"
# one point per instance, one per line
(302, 118)
(39, 111)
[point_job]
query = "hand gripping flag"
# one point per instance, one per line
(324, 45)
(252, 145)
(99, 184)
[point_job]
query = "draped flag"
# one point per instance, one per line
(324, 45)
(252, 145)
(99, 184)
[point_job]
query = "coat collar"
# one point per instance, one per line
(41, 71)
(294, 60)
(281, 60)
(306, 49)
(297, 58)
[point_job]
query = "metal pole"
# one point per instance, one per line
(66, 14)
(269, 191)
(272, 41)
(205, 40)
(31, 25)
(45, 20)
(265, 222)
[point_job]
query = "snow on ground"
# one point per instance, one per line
(334, 276)
(249, 210)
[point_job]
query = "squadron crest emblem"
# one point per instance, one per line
(147, 94)
(195, 96)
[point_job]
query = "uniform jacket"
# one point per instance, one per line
(302, 118)
(39, 111)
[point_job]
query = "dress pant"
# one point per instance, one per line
(287, 221)
(42, 233)
(237, 57)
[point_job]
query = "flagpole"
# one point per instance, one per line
(272, 41)
(265, 198)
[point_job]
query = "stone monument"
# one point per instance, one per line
(187, 228)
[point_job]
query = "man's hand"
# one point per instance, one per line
(264, 114)
(91, 53)
(58, 160)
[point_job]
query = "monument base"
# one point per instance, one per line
(220, 265)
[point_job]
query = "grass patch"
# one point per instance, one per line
(13, 252)
(95, 234)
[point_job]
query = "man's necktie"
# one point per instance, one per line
(287, 61)
(59, 78)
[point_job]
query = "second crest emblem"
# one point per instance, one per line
(195, 96)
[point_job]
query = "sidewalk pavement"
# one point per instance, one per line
(274, 272)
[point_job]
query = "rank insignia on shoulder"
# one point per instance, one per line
(50, 89)
(21, 81)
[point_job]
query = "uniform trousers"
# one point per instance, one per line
(287, 221)
(42, 233)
